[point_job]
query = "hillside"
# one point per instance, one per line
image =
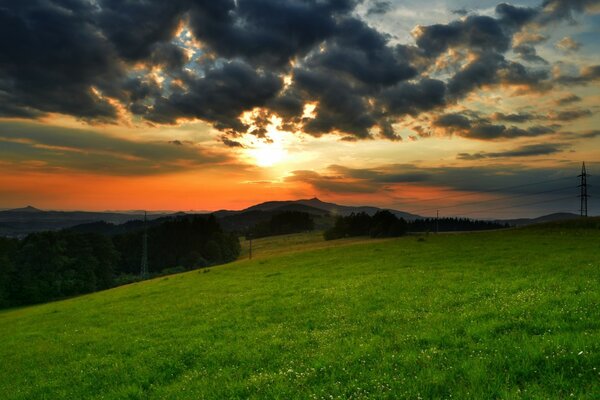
(332, 208)
(509, 314)
(21, 221)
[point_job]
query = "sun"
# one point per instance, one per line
(270, 150)
(268, 154)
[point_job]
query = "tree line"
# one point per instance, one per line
(386, 224)
(47, 266)
(284, 223)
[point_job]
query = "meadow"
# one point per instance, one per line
(498, 315)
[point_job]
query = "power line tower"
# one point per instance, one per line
(583, 196)
(144, 269)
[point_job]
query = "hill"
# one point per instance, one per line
(21, 221)
(508, 314)
(332, 208)
(541, 220)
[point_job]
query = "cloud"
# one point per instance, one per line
(587, 75)
(50, 59)
(226, 90)
(332, 184)
(568, 100)
(231, 143)
(515, 118)
(393, 179)
(164, 62)
(379, 7)
(567, 44)
(481, 128)
(561, 10)
(529, 53)
(532, 150)
(78, 150)
(569, 115)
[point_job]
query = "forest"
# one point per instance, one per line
(47, 266)
(386, 224)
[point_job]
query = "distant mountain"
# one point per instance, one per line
(539, 220)
(28, 209)
(332, 208)
(22, 221)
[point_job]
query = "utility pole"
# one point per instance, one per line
(437, 222)
(583, 196)
(144, 269)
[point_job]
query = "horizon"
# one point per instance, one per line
(204, 212)
(478, 109)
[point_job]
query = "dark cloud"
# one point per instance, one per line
(265, 31)
(379, 7)
(568, 100)
(332, 184)
(569, 115)
(231, 143)
(481, 128)
(529, 53)
(93, 59)
(508, 179)
(515, 118)
(461, 11)
(363, 54)
(50, 59)
(491, 68)
(413, 98)
(455, 121)
(559, 115)
(586, 76)
(55, 148)
(523, 151)
(220, 96)
(514, 16)
(588, 134)
(137, 28)
(480, 33)
(342, 106)
(560, 10)
(494, 132)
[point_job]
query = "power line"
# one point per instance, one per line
(485, 191)
(520, 205)
(497, 199)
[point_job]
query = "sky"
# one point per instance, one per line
(474, 108)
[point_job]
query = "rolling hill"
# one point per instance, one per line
(507, 314)
(332, 208)
(22, 221)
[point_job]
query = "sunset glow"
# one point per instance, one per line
(372, 104)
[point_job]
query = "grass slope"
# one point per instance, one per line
(510, 314)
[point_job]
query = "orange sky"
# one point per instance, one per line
(429, 130)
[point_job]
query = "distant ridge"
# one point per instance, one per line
(28, 209)
(539, 220)
(332, 208)
(19, 222)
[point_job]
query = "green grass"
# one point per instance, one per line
(287, 244)
(512, 314)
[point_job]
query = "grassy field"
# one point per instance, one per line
(511, 314)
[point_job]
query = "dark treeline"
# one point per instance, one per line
(284, 223)
(381, 224)
(386, 224)
(453, 225)
(52, 265)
